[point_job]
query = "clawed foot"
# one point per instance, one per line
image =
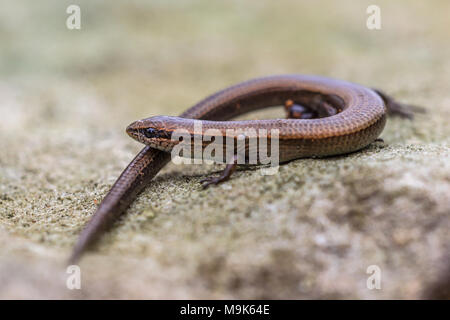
(229, 169)
(210, 180)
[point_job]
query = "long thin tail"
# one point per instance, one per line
(131, 182)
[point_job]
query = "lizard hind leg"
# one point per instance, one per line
(298, 111)
(399, 109)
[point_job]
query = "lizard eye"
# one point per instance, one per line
(154, 133)
(150, 133)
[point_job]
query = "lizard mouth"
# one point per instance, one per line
(134, 129)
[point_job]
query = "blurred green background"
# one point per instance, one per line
(66, 97)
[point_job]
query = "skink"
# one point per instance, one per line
(326, 117)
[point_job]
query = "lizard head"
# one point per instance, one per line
(155, 132)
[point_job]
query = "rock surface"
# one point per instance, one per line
(310, 231)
